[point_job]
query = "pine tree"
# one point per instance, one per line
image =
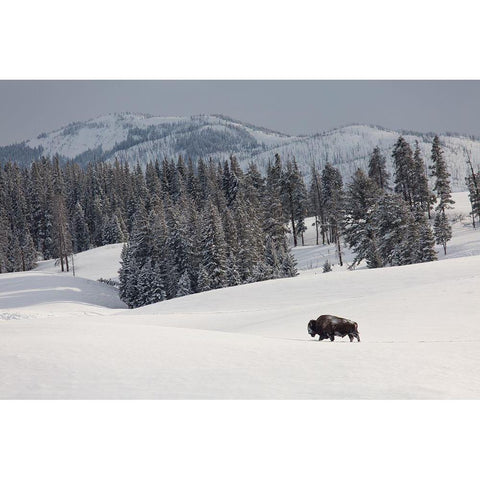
(179, 245)
(362, 195)
(273, 215)
(316, 200)
(404, 170)
(472, 182)
(294, 199)
(233, 275)
(377, 169)
(332, 186)
(203, 283)
(421, 193)
(229, 184)
(250, 237)
(288, 262)
(426, 241)
(442, 228)
(157, 292)
(112, 230)
(80, 233)
(4, 236)
(391, 220)
(128, 276)
(214, 247)
(184, 286)
(61, 232)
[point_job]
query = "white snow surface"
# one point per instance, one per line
(65, 337)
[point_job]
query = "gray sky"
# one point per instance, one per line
(30, 107)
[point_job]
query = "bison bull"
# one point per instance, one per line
(330, 326)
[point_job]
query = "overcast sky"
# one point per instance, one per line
(30, 107)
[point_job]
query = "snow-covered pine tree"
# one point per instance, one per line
(391, 219)
(157, 292)
(422, 196)
(294, 199)
(360, 199)
(442, 227)
(6, 233)
(21, 254)
(233, 275)
(231, 234)
(425, 248)
(203, 282)
(184, 286)
(273, 215)
(288, 261)
(332, 187)
(250, 237)
(180, 246)
(472, 180)
(128, 276)
(112, 230)
(144, 283)
(377, 169)
(229, 184)
(214, 248)
(315, 197)
(404, 170)
(158, 225)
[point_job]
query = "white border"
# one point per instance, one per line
(238, 40)
(252, 39)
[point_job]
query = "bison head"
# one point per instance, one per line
(311, 325)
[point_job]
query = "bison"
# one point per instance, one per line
(329, 326)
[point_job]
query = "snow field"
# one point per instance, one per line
(65, 337)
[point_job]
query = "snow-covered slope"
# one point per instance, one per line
(65, 337)
(143, 138)
(349, 148)
(102, 262)
(140, 138)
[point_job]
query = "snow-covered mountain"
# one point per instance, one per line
(142, 138)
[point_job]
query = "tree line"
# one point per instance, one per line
(189, 227)
(384, 224)
(195, 226)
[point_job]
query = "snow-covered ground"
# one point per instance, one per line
(65, 337)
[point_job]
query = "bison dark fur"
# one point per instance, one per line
(330, 326)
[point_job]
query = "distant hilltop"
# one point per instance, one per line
(142, 138)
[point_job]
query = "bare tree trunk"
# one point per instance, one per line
(339, 250)
(294, 231)
(475, 184)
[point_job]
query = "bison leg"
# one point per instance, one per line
(350, 336)
(332, 337)
(358, 336)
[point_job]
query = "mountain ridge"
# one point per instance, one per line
(140, 137)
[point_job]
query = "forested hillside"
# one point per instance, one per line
(195, 226)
